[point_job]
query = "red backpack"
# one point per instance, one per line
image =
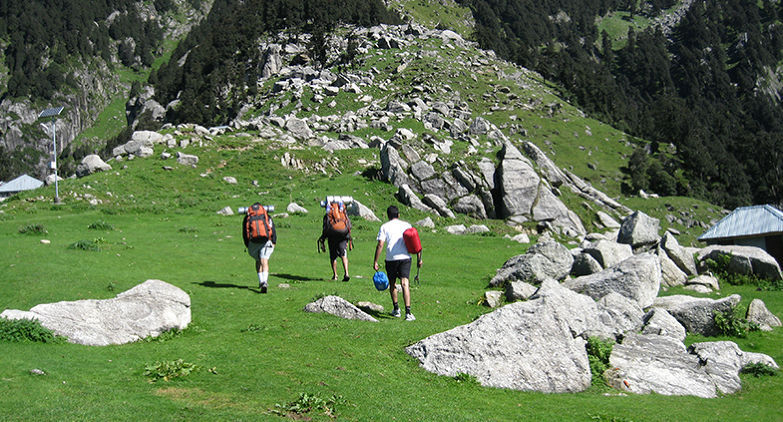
(411, 238)
(257, 225)
(336, 219)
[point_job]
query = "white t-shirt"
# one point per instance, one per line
(391, 233)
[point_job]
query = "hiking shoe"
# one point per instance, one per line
(396, 313)
(410, 317)
(263, 288)
(346, 278)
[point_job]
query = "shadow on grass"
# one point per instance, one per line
(215, 284)
(294, 277)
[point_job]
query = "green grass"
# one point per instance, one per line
(257, 356)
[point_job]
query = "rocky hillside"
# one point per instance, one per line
(458, 131)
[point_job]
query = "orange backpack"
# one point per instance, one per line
(336, 219)
(257, 225)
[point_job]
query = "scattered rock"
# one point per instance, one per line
(697, 315)
(639, 229)
(294, 208)
(338, 306)
(493, 298)
(759, 314)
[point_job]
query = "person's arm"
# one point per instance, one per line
(274, 231)
(419, 261)
(244, 231)
(324, 228)
(378, 249)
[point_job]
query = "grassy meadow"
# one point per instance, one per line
(260, 357)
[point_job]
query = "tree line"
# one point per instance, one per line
(705, 95)
(45, 37)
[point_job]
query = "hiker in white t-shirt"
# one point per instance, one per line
(398, 260)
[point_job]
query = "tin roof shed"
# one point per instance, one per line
(753, 221)
(21, 183)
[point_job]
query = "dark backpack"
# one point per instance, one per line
(257, 225)
(336, 220)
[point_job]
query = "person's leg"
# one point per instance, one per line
(391, 270)
(406, 293)
(334, 269)
(260, 275)
(345, 267)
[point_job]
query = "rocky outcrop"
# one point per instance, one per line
(143, 311)
(637, 278)
(543, 260)
(645, 364)
(697, 315)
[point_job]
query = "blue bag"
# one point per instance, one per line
(381, 281)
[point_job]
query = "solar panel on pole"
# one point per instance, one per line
(53, 113)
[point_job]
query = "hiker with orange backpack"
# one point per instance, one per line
(260, 236)
(337, 231)
(398, 259)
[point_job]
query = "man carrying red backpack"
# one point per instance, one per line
(260, 236)
(398, 259)
(337, 230)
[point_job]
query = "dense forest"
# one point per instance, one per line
(44, 37)
(703, 94)
(215, 58)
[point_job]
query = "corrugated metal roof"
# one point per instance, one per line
(23, 182)
(747, 221)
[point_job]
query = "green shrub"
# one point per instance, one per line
(758, 369)
(731, 323)
(307, 403)
(26, 330)
(188, 229)
(598, 352)
(86, 245)
(167, 370)
(164, 336)
(464, 378)
(33, 229)
(101, 225)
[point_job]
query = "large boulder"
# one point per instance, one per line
(471, 205)
(671, 274)
(639, 229)
(299, 128)
(145, 310)
(91, 164)
(759, 314)
(536, 345)
(521, 346)
(723, 360)
(518, 183)
(637, 278)
(610, 317)
(696, 314)
(743, 260)
(608, 253)
(393, 167)
(660, 322)
(339, 307)
(678, 254)
(645, 364)
(543, 260)
(406, 195)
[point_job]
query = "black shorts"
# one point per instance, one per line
(398, 269)
(338, 247)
